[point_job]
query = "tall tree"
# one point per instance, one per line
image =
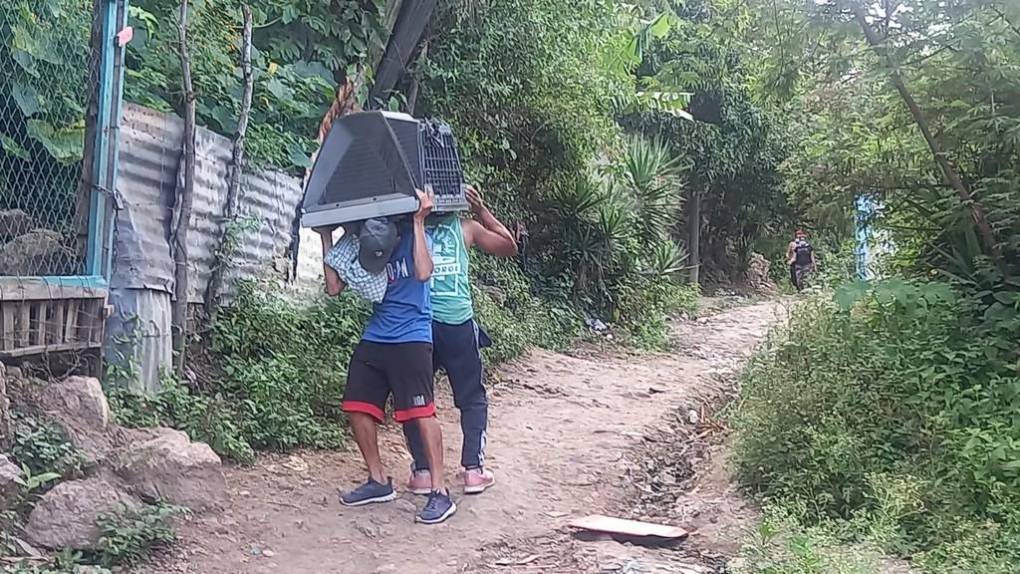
(185, 199)
(730, 144)
(915, 103)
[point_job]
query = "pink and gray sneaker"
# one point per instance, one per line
(478, 480)
(420, 483)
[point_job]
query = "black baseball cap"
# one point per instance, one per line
(378, 238)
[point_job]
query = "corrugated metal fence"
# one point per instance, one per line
(139, 336)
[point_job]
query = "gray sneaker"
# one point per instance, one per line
(369, 493)
(438, 508)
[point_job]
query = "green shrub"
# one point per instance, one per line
(209, 418)
(300, 51)
(65, 563)
(781, 545)
(980, 547)
(892, 409)
(646, 306)
(286, 365)
(132, 536)
(43, 448)
(514, 318)
(283, 366)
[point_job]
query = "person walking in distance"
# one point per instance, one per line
(458, 339)
(394, 356)
(800, 256)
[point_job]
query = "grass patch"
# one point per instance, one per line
(887, 415)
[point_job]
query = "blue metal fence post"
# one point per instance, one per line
(865, 213)
(110, 97)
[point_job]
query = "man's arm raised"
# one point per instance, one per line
(423, 265)
(487, 232)
(334, 285)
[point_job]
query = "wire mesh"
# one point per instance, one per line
(441, 164)
(47, 77)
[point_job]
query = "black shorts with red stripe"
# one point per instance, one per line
(378, 370)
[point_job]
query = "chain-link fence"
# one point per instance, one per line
(48, 85)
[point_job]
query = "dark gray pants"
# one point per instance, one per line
(457, 350)
(799, 275)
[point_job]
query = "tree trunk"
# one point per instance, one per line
(403, 42)
(391, 12)
(694, 235)
(412, 95)
(223, 251)
(185, 197)
(414, 83)
(951, 173)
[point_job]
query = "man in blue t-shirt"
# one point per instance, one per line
(394, 355)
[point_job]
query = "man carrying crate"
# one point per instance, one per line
(458, 340)
(394, 355)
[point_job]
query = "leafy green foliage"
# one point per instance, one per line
(32, 482)
(209, 418)
(646, 306)
(608, 235)
(521, 120)
(46, 45)
(914, 444)
(891, 408)
(533, 126)
(42, 449)
(132, 535)
(855, 135)
(649, 171)
(514, 318)
(730, 148)
(44, 81)
(65, 562)
(281, 366)
(128, 537)
(288, 366)
(781, 545)
(302, 50)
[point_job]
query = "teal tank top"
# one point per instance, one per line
(451, 282)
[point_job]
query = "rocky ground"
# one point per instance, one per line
(594, 431)
(122, 468)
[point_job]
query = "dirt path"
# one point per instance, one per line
(562, 431)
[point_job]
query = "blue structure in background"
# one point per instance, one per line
(60, 306)
(866, 209)
(110, 97)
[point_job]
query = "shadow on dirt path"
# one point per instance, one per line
(562, 431)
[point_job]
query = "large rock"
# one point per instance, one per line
(79, 398)
(66, 516)
(79, 406)
(9, 475)
(39, 252)
(15, 223)
(172, 469)
(757, 275)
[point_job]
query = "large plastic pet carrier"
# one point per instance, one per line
(371, 163)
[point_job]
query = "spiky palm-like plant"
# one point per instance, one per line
(650, 173)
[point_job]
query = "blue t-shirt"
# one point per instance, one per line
(405, 314)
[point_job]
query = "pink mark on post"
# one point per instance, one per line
(125, 36)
